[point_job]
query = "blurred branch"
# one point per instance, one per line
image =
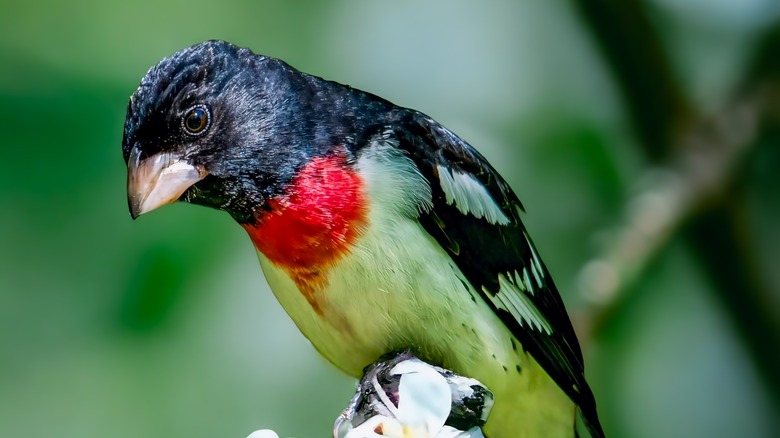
(631, 47)
(695, 190)
(693, 186)
(670, 197)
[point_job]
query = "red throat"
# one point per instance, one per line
(315, 223)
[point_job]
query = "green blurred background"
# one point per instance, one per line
(611, 119)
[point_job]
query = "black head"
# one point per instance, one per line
(217, 125)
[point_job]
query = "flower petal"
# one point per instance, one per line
(451, 432)
(264, 433)
(389, 427)
(424, 397)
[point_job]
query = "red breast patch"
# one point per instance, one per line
(315, 223)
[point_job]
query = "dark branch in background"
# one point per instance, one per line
(629, 43)
(696, 189)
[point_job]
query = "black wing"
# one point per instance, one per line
(491, 248)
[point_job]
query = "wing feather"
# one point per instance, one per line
(476, 217)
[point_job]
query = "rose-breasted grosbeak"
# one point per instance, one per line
(377, 228)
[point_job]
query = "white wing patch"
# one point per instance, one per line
(536, 264)
(470, 196)
(527, 281)
(513, 299)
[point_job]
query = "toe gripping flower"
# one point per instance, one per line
(404, 397)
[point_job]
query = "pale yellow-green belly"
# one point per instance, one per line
(392, 293)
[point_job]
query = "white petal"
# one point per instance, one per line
(264, 433)
(449, 432)
(424, 397)
(390, 428)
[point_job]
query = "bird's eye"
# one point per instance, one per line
(196, 120)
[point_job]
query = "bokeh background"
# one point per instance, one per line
(642, 136)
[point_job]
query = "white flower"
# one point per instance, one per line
(424, 403)
(264, 433)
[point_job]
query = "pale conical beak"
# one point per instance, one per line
(158, 180)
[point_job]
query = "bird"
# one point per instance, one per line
(377, 228)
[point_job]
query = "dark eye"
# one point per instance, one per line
(196, 120)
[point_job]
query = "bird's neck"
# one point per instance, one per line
(318, 219)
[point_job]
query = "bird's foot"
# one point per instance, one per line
(402, 396)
